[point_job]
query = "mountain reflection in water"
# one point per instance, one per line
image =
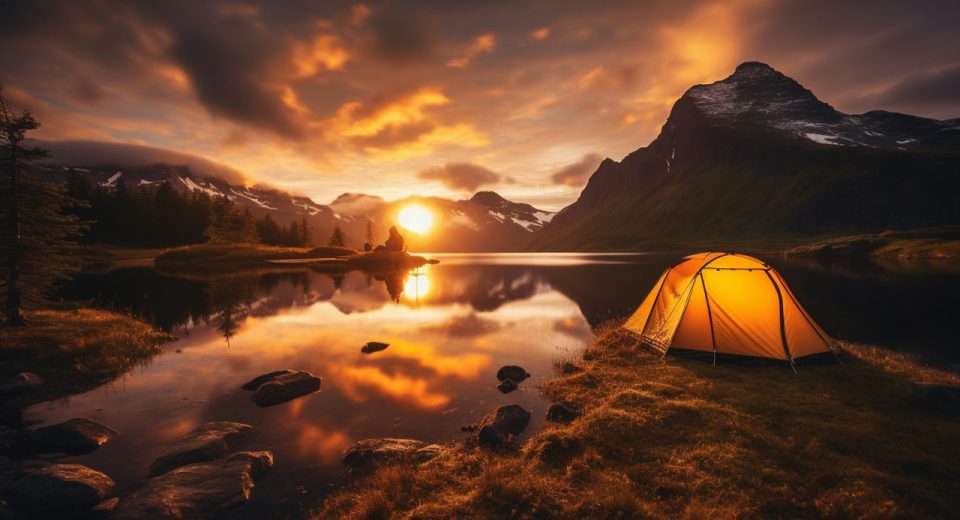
(450, 327)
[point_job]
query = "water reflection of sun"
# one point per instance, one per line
(417, 285)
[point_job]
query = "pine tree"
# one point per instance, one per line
(304, 233)
(36, 241)
(230, 224)
(370, 231)
(270, 233)
(337, 239)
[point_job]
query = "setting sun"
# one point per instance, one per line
(415, 218)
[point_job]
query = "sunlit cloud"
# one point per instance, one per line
(576, 174)
(325, 52)
(481, 44)
(461, 176)
(540, 34)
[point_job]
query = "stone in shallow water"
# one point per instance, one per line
(59, 489)
(498, 428)
(514, 372)
(371, 452)
(282, 386)
(74, 437)
(210, 441)
(198, 490)
(507, 385)
(255, 383)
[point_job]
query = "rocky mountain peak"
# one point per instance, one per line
(490, 199)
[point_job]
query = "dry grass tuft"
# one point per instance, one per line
(75, 350)
(679, 438)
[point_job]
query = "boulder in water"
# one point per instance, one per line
(514, 372)
(63, 490)
(200, 490)
(507, 385)
(74, 437)
(282, 386)
(208, 442)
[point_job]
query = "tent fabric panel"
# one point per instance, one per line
(693, 331)
(668, 307)
(638, 320)
(802, 336)
(736, 261)
(746, 313)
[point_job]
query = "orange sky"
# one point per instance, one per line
(400, 98)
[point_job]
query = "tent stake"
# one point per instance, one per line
(793, 366)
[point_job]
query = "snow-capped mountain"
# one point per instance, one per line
(758, 156)
(505, 211)
(758, 95)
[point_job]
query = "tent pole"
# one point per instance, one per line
(803, 312)
(783, 329)
(706, 299)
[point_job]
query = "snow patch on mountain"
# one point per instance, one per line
(820, 138)
(113, 178)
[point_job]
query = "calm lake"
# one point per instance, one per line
(450, 327)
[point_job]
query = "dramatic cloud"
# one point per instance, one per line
(461, 176)
(936, 90)
(576, 174)
(480, 45)
(96, 153)
(328, 97)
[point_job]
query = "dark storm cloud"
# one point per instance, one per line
(401, 38)
(461, 176)
(576, 174)
(231, 78)
(99, 153)
(937, 90)
(843, 50)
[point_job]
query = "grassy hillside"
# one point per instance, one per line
(765, 190)
(681, 439)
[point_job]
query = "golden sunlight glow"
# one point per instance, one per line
(416, 286)
(415, 218)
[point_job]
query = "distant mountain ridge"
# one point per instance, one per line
(486, 222)
(757, 156)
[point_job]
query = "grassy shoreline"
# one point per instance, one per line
(228, 257)
(73, 351)
(681, 439)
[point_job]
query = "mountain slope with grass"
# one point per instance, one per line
(758, 156)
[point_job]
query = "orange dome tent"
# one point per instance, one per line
(729, 304)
